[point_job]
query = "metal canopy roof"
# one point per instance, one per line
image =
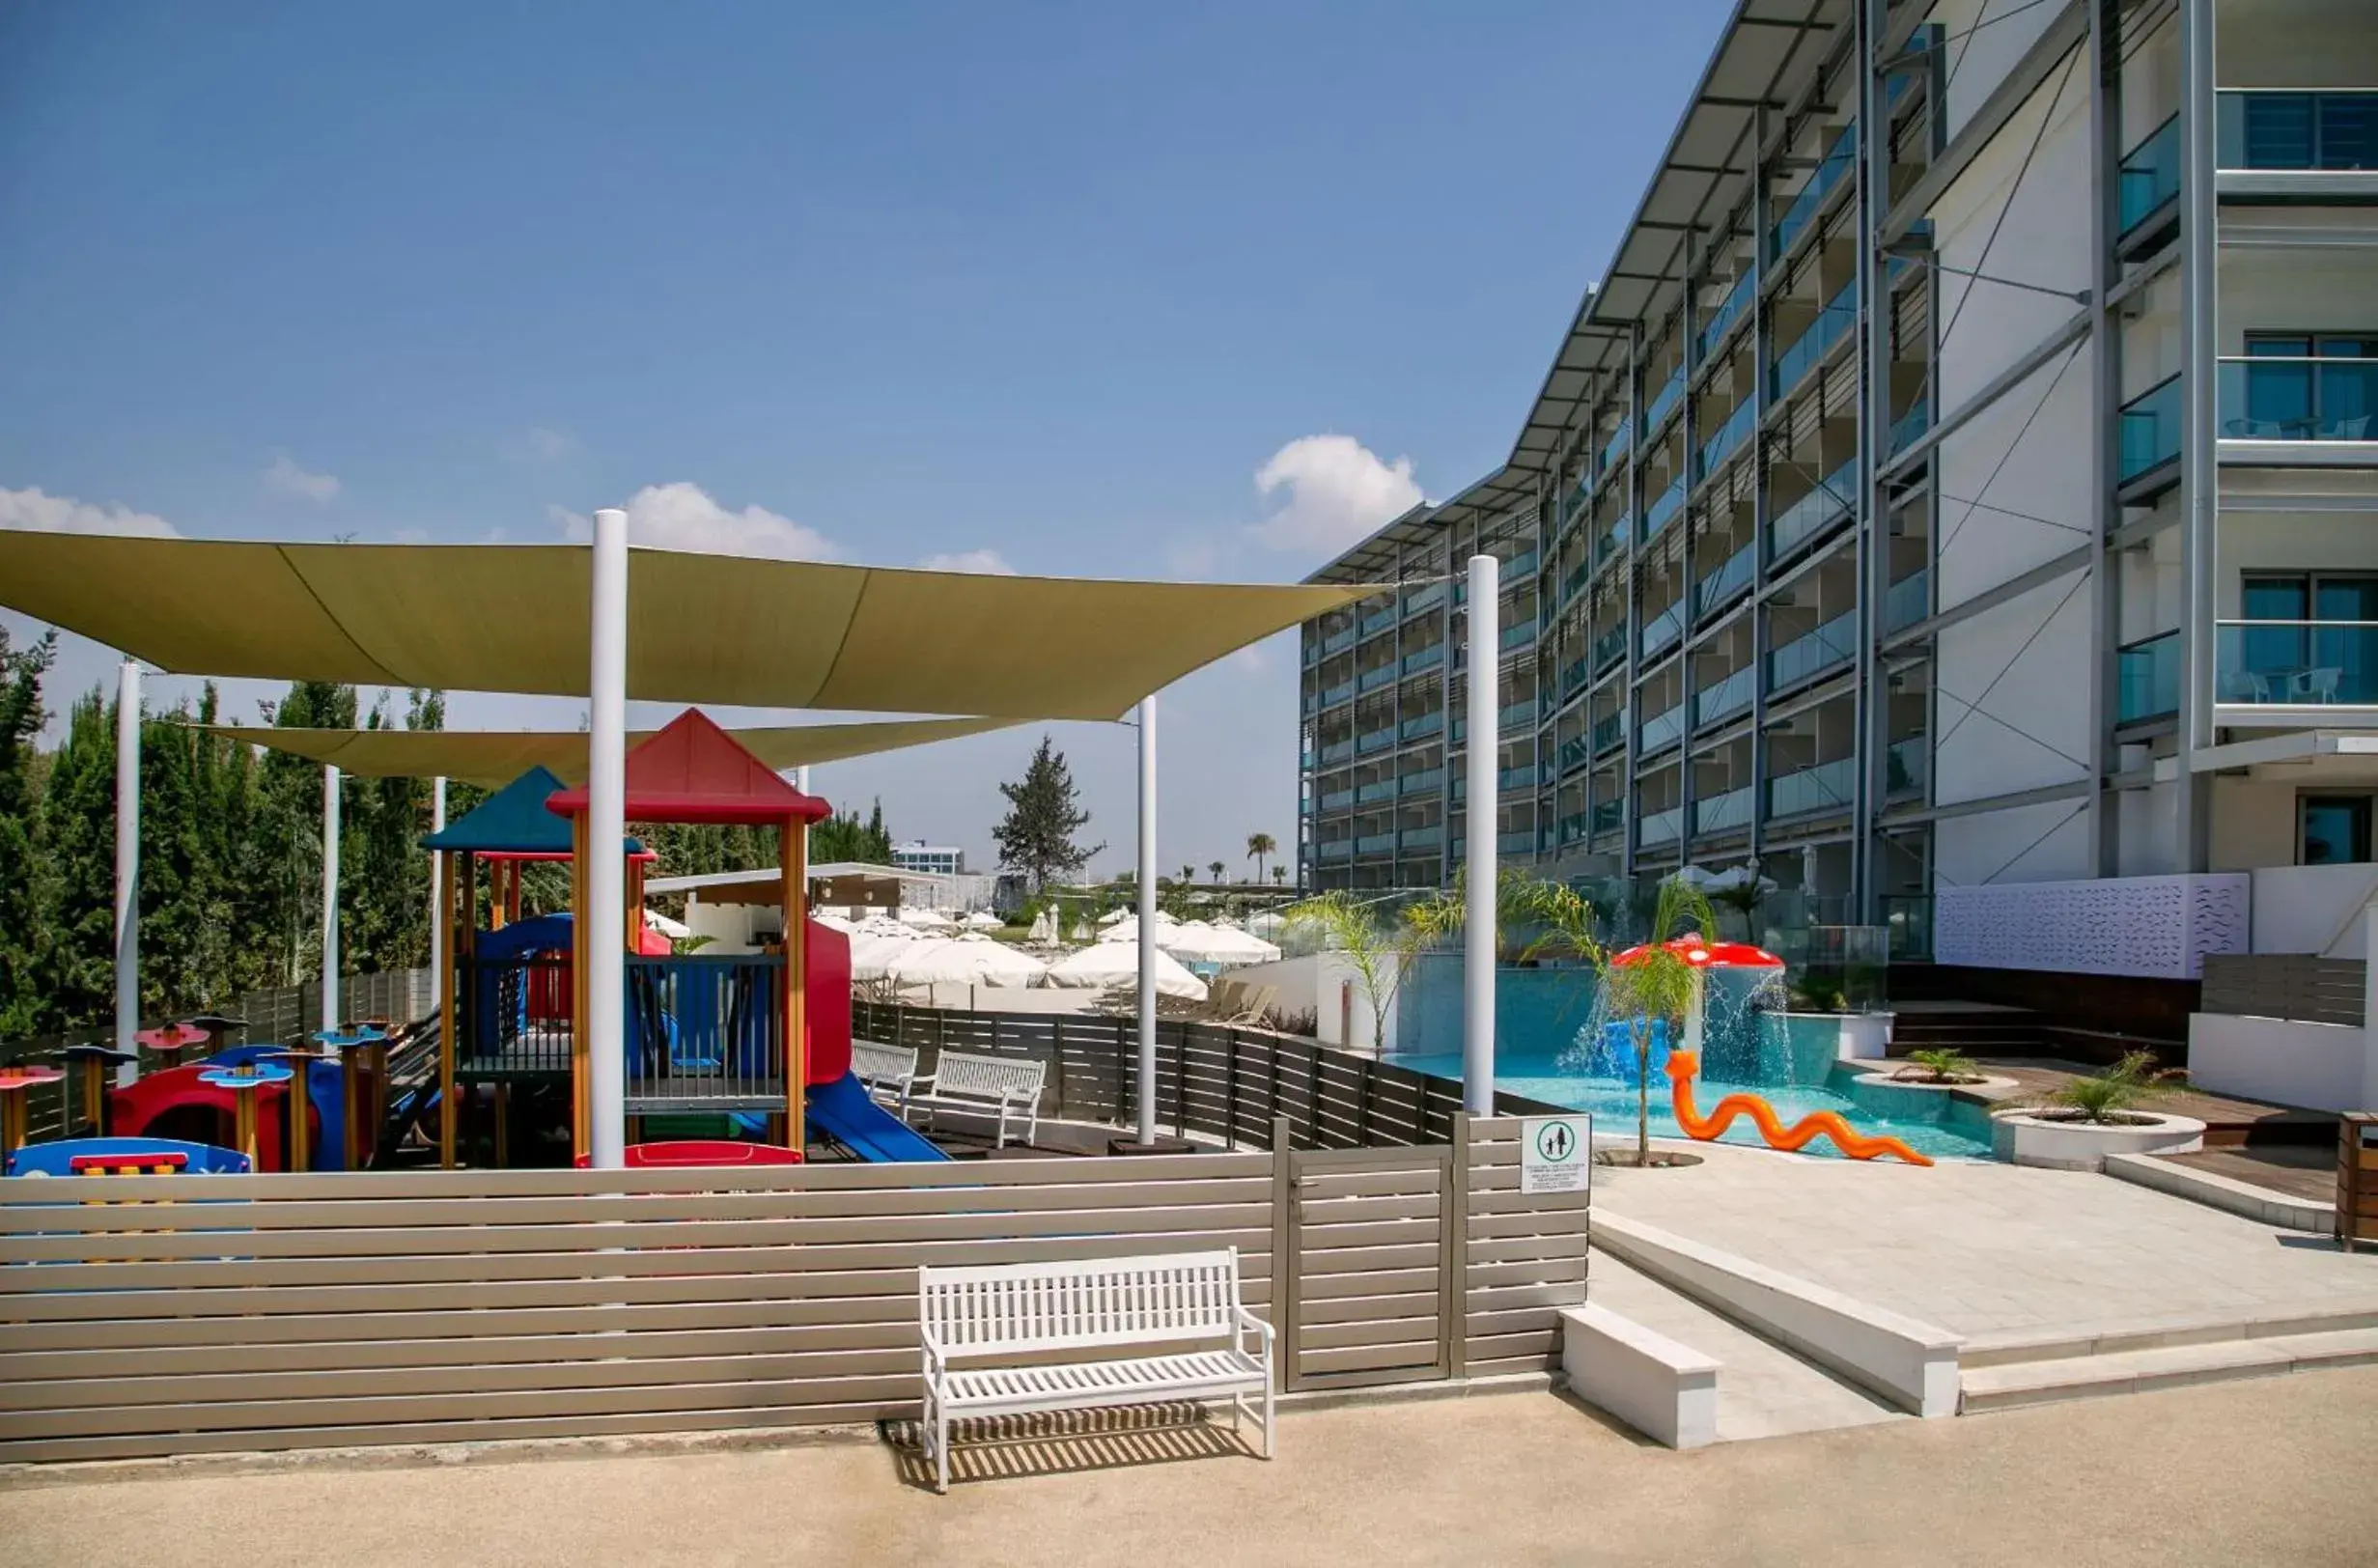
(1703, 177)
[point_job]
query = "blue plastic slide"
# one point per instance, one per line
(843, 1111)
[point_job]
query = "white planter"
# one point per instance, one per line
(1858, 1037)
(2026, 1139)
(1884, 1073)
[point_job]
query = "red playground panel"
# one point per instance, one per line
(682, 1152)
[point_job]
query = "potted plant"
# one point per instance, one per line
(2074, 1126)
(1947, 1065)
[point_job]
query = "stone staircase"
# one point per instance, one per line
(1976, 1029)
(2005, 1372)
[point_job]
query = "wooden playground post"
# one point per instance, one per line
(449, 1020)
(793, 858)
(581, 1064)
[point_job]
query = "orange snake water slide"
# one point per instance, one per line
(1682, 1064)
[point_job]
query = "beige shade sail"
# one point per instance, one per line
(494, 758)
(702, 629)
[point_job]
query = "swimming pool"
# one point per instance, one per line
(1929, 1122)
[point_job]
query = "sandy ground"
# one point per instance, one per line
(2270, 1471)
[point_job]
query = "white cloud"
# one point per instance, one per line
(31, 509)
(285, 476)
(1338, 490)
(988, 562)
(682, 516)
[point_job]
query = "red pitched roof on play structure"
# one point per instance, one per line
(691, 771)
(1709, 955)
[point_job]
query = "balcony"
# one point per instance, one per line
(1575, 753)
(1521, 565)
(1665, 400)
(2327, 132)
(1722, 586)
(1336, 752)
(1424, 598)
(1839, 159)
(2150, 178)
(1726, 698)
(1378, 621)
(1825, 787)
(1378, 789)
(1907, 767)
(1661, 826)
(1814, 512)
(1522, 842)
(1608, 649)
(1428, 657)
(1517, 716)
(1661, 731)
(1421, 838)
(1375, 740)
(2269, 397)
(1574, 581)
(1575, 676)
(1375, 844)
(1337, 642)
(2296, 663)
(1615, 449)
(1607, 733)
(1338, 850)
(1426, 781)
(2150, 431)
(1727, 437)
(2148, 679)
(1908, 427)
(1720, 319)
(1518, 634)
(1569, 829)
(1606, 817)
(1831, 325)
(1803, 659)
(1663, 508)
(1373, 680)
(1727, 813)
(1337, 799)
(1613, 539)
(1421, 724)
(1520, 777)
(1664, 630)
(1908, 600)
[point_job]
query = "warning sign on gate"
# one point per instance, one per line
(1556, 1153)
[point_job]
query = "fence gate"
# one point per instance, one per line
(1365, 1258)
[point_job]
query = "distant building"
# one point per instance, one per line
(940, 859)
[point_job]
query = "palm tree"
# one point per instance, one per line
(1258, 846)
(1188, 874)
(1217, 868)
(1377, 950)
(1655, 983)
(1279, 876)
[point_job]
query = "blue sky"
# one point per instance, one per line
(1073, 286)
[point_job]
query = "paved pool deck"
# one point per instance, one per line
(2233, 1474)
(1981, 1247)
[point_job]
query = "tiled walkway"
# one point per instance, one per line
(1981, 1247)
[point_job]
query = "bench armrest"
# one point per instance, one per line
(937, 1354)
(1245, 1320)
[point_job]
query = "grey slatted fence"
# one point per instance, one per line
(2294, 986)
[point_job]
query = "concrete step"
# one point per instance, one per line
(2012, 1385)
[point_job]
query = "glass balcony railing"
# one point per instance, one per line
(1726, 698)
(1825, 787)
(1831, 325)
(1907, 767)
(1575, 676)
(1727, 437)
(2296, 663)
(1337, 850)
(1569, 829)
(1608, 731)
(1725, 813)
(1375, 740)
(1905, 429)
(1421, 724)
(1574, 582)
(1521, 565)
(1337, 751)
(2147, 677)
(1515, 779)
(1908, 600)
(1605, 816)
(2281, 130)
(1610, 648)
(1574, 753)
(1375, 844)
(1518, 716)
(1815, 511)
(1421, 838)
(1721, 320)
(1615, 449)
(1518, 634)
(1378, 621)
(1378, 789)
(1337, 642)
(1373, 680)
(1337, 799)
(2150, 175)
(1665, 400)
(1663, 630)
(1663, 508)
(1427, 781)
(1661, 826)
(1332, 696)
(1835, 642)
(1839, 159)
(1425, 659)
(1521, 841)
(1613, 539)
(1722, 586)
(2268, 398)
(1424, 598)
(1661, 731)
(2150, 435)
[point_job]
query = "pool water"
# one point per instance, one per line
(1929, 1122)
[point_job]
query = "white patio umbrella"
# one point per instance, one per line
(833, 921)
(982, 920)
(1044, 928)
(1113, 915)
(1126, 929)
(1001, 964)
(1266, 923)
(873, 952)
(1100, 965)
(924, 919)
(1197, 943)
(1081, 931)
(677, 931)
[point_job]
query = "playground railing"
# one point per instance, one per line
(706, 1033)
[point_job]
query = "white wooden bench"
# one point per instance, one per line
(1006, 1321)
(887, 1070)
(984, 1085)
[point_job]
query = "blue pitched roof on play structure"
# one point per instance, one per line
(513, 821)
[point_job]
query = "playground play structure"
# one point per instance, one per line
(1684, 1062)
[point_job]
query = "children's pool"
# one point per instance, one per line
(1927, 1121)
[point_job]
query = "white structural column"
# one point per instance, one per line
(1478, 917)
(1147, 919)
(128, 864)
(2199, 220)
(438, 884)
(607, 825)
(330, 898)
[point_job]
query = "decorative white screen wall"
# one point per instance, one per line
(2155, 926)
